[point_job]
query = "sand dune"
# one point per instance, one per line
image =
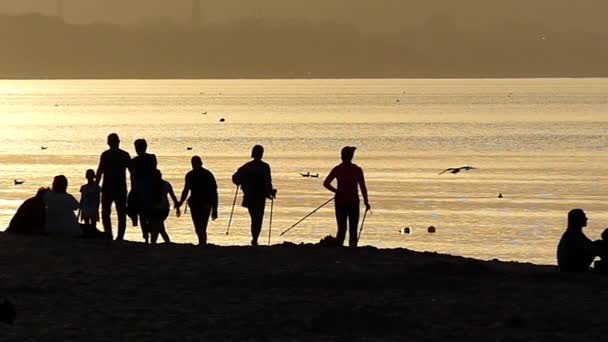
(104, 291)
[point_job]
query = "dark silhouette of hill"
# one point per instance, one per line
(443, 45)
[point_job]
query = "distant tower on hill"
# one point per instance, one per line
(196, 13)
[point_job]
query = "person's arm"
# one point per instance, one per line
(98, 201)
(184, 194)
(215, 198)
(154, 161)
(172, 194)
(330, 178)
(236, 178)
(100, 170)
(363, 189)
(271, 192)
(79, 206)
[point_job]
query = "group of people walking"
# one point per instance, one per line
(147, 203)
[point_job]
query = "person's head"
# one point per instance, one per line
(348, 153)
(140, 146)
(90, 175)
(41, 191)
(257, 152)
(577, 219)
(157, 174)
(197, 162)
(60, 184)
(113, 140)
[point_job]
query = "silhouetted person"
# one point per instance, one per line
(142, 169)
(160, 211)
(7, 311)
(112, 169)
(601, 266)
(350, 179)
(575, 251)
(90, 200)
(30, 218)
(255, 180)
(202, 187)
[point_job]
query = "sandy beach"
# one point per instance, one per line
(107, 291)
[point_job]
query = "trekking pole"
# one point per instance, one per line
(270, 226)
(305, 217)
(362, 223)
(236, 192)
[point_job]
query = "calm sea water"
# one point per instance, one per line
(542, 143)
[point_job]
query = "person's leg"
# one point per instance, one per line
(200, 218)
(353, 224)
(256, 212)
(163, 233)
(341, 215)
(144, 223)
(106, 210)
(120, 201)
(161, 226)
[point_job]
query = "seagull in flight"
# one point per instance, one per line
(455, 170)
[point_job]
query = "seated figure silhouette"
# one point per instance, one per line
(601, 266)
(30, 218)
(60, 217)
(575, 251)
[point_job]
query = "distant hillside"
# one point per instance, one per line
(36, 46)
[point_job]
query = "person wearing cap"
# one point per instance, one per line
(255, 180)
(350, 178)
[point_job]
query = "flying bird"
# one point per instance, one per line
(455, 170)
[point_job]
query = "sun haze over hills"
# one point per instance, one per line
(315, 38)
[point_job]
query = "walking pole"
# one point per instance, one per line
(270, 226)
(305, 217)
(236, 192)
(362, 223)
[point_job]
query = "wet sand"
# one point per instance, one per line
(107, 291)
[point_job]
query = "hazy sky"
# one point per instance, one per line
(368, 15)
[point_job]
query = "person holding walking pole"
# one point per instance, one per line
(203, 201)
(255, 179)
(350, 179)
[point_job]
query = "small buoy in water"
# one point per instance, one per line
(222, 120)
(500, 195)
(43, 147)
(406, 230)
(189, 148)
(431, 229)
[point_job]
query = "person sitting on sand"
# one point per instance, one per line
(60, 217)
(30, 218)
(575, 251)
(160, 211)
(350, 179)
(89, 200)
(201, 185)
